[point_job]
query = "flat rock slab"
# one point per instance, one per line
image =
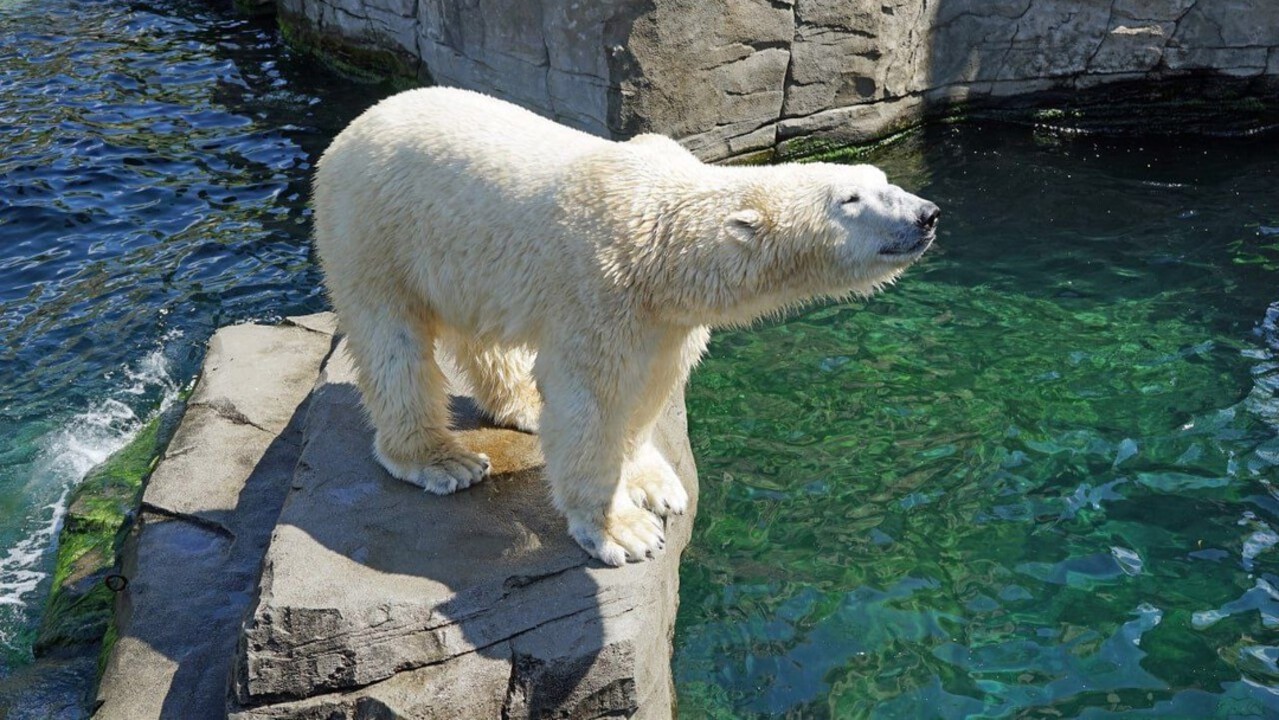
(380, 600)
(207, 513)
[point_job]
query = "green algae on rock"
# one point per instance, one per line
(352, 60)
(100, 513)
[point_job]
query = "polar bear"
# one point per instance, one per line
(574, 280)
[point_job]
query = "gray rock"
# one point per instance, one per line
(732, 77)
(684, 59)
(470, 686)
(325, 323)
(1134, 46)
(256, 374)
(193, 559)
(855, 124)
(177, 621)
(720, 142)
(376, 595)
(374, 599)
(1226, 24)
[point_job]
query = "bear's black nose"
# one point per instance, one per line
(928, 216)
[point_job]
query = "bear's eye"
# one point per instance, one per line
(852, 198)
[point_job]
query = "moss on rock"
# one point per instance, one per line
(818, 149)
(101, 511)
(350, 58)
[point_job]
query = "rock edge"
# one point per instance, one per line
(276, 572)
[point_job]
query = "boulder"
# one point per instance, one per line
(193, 557)
(375, 595)
(276, 571)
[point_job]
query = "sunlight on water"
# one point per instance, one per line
(64, 457)
(1037, 477)
(153, 185)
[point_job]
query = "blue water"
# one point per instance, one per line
(153, 165)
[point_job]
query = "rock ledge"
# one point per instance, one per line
(278, 572)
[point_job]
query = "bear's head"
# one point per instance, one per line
(844, 224)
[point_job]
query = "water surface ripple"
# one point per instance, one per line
(153, 166)
(1036, 478)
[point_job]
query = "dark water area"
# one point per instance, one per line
(1037, 478)
(153, 168)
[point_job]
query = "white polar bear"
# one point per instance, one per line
(533, 251)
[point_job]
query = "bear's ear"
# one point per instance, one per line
(743, 225)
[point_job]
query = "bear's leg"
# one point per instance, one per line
(583, 431)
(648, 476)
(502, 380)
(407, 400)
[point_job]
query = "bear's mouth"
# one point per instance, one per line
(920, 244)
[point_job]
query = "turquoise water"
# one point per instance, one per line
(153, 163)
(1033, 479)
(1036, 478)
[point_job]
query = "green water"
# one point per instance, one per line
(1034, 479)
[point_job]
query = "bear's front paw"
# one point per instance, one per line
(627, 533)
(652, 483)
(457, 470)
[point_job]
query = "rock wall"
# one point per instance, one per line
(737, 77)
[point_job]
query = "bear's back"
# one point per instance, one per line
(452, 125)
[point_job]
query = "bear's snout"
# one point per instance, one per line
(916, 227)
(928, 217)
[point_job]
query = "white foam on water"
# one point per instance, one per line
(65, 457)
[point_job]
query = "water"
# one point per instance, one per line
(1036, 478)
(153, 163)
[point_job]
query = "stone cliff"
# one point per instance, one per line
(734, 78)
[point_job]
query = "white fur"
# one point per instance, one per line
(531, 250)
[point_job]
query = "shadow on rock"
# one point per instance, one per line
(379, 598)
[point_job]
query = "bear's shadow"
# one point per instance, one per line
(490, 569)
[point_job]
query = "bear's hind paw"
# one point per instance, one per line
(457, 471)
